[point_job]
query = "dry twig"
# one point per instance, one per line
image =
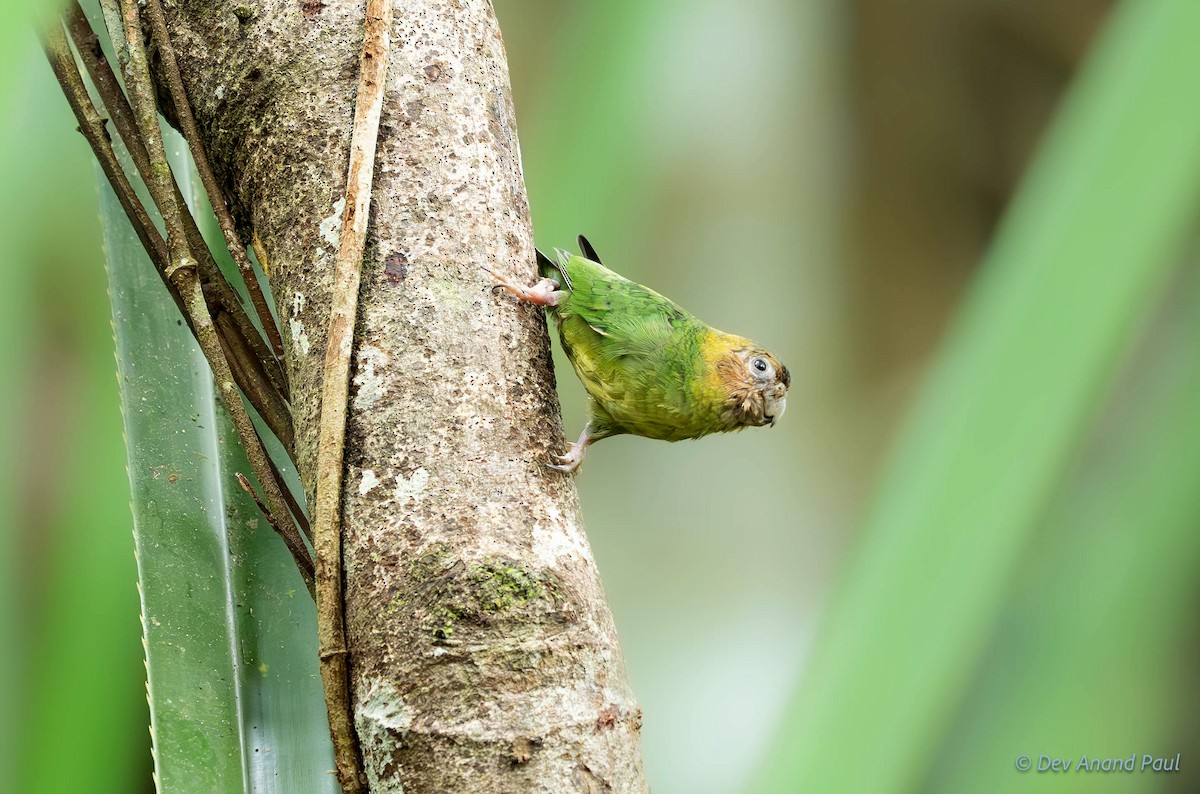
(216, 197)
(183, 271)
(335, 390)
(250, 358)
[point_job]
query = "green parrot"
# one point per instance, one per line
(650, 368)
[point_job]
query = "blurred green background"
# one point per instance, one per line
(826, 178)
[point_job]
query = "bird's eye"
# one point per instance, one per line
(759, 364)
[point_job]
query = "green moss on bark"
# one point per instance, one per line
(452, 592)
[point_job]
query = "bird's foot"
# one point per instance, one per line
(570, 462)
(543, 293)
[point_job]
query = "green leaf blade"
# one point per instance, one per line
(1088, 658)
(229, 628)
(1080, 255)
(178, 524)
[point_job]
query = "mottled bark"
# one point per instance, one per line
(482, 654)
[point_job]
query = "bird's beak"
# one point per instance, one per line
(774, 409)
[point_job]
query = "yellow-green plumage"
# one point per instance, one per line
(651, 368)
(637, 353)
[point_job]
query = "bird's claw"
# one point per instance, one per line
(568, 463)
(543, 293)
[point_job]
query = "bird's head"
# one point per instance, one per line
(755, 384)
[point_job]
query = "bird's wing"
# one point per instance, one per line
(636, 351)
(629, 320)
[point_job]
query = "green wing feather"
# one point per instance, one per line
(638, 354)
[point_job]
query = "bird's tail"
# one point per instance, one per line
(588, 251)
(557, 270)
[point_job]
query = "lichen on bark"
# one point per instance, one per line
(483, 656)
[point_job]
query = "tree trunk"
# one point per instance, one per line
(482, 654)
